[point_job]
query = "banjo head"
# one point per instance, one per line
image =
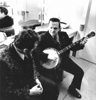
(53, 58)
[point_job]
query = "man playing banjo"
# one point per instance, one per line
(55, 38)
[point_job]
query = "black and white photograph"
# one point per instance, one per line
(47, 50)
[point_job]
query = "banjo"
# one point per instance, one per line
(54, 55)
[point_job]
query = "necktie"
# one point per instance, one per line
(55, 39)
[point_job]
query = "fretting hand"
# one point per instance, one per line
(84, 40)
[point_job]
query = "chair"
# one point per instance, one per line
(41, 32)
(9, 31)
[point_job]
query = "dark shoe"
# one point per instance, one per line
(74, 92)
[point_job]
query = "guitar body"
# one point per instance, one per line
(52, 63)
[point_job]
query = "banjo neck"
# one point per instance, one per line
(68, 47)
(73, 44)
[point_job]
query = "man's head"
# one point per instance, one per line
(3, 11)
(54, 26)
(26, 39)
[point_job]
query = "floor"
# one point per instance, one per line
(88, 87)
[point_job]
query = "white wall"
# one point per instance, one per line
(26, 9)
(70, 11)
(33, 8)
(89, 52)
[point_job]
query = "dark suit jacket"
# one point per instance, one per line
(47, 41)
(16, 77)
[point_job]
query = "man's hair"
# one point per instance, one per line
(26, 39)
(4, 10)
(55, 20)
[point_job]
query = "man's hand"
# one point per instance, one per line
(37, 89)
(84, 40)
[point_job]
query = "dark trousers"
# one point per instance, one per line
(51, 91)
(68, 65)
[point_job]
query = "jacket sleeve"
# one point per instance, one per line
(38, 50)
(36, 74)
(78, 46)
(66, 43)
(39, 56)
(8, 88)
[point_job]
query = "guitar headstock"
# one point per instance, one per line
(91, 34)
